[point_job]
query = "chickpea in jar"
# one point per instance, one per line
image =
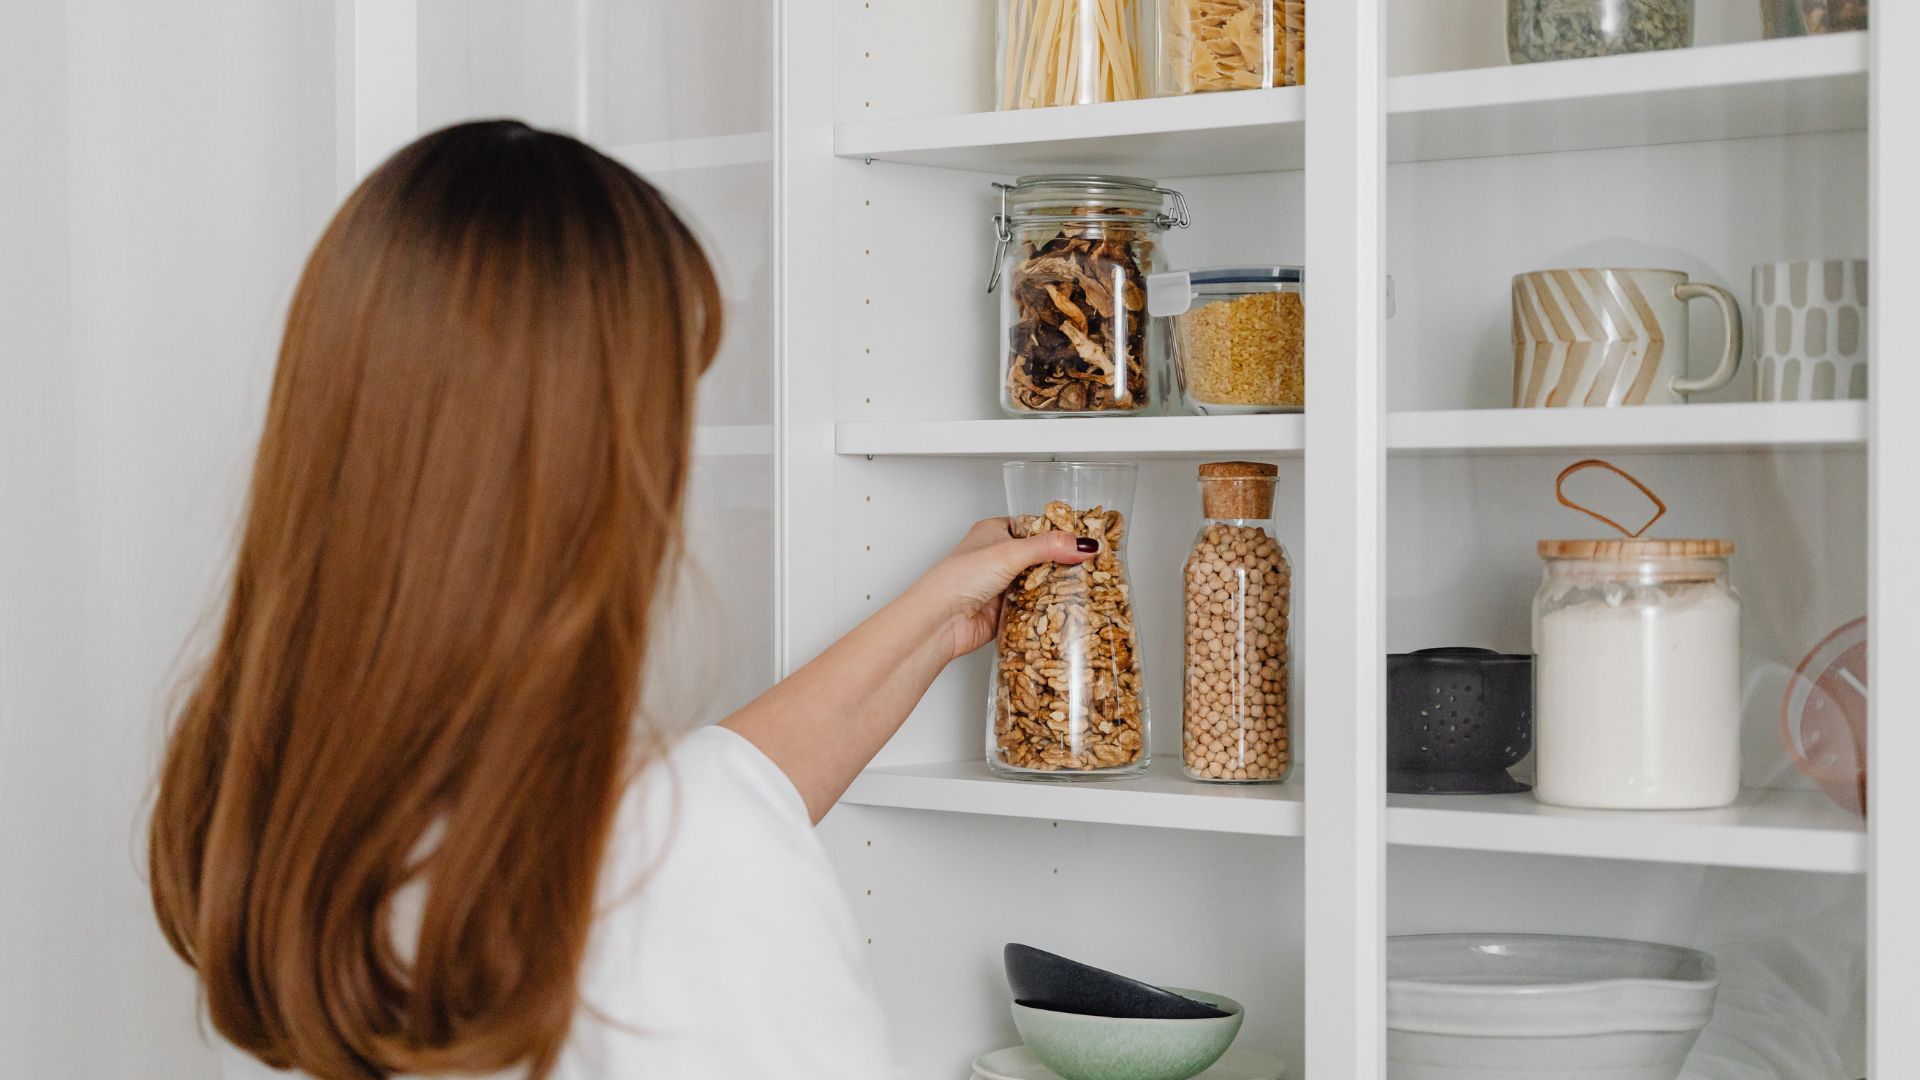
(1238, 584)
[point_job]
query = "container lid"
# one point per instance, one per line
(1629, 550)
(1238, 470)
(1171, 292)
(1055, 189)
(1087, 197)
(1237, 501)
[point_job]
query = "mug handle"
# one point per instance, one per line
(1736, 339)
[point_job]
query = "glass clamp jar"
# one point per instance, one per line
(1239, 336)
(1572, 29)
(1071, 52)
(1637, 676)
(1073, 254)
(1208, 45)
(1237, 705)
(1067, 699)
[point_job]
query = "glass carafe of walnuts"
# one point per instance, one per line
(1239, 608)
(1067, 700)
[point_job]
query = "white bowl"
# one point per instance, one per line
(1541, 1007)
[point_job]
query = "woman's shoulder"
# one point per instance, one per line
(707, 812)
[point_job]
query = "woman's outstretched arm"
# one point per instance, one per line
(823, 723)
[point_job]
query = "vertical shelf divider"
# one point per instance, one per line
(1345, 918)
(803, 331)
(376, 84)
(1893, 578)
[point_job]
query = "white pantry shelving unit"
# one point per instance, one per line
(852, 431)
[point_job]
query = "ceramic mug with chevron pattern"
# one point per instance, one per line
(1607, 337)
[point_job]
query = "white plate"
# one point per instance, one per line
(1018, 1063)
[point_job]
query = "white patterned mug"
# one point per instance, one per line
(1611, 337)
(1810, 330)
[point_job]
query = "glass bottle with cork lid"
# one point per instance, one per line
(1637, 670)
(1236, 723)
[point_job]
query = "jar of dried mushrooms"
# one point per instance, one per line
(1071, 269)
(1067, 699)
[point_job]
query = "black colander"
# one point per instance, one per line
(1457, 719)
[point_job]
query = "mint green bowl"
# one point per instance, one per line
(1114, 1048)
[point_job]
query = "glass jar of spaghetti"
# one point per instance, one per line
(1072, 52)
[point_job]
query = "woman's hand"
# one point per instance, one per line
(823, 723)
(968, 583)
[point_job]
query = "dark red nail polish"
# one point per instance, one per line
(1087, 544)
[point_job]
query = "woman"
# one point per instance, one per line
(407, 823)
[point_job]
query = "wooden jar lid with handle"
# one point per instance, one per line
(1676, 561)
(1243, 501)
(1629, 550)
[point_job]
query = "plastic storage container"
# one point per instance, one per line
(1239, 336)
(1072, 52)
(1239, 605)
(1571, 29)
(1071, 268)
(1207, 45)
(1637, 675)
(1067, 698)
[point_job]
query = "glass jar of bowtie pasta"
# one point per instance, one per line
(1207, 45)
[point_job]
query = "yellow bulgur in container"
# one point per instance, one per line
(1238, 335)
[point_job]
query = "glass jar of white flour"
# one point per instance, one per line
(1637, 676)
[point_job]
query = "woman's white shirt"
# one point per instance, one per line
(724, 949)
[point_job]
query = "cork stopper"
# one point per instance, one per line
(1237, 489)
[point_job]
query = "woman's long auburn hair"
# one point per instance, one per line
(466, 500)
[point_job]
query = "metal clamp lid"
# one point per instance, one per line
(1006, 219)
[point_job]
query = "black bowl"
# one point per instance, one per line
(1043, 980)
(1457, 719)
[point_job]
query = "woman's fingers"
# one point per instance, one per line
(998, 563)
(984, 533)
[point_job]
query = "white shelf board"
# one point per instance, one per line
(1129, 436)
(1722, 427)
(1780, 87)
(1163, 798)
(1733, 426)
(703, 152)
(1785, 86)
(1777, 830)
(1248, 131)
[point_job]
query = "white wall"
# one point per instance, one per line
(165, 169)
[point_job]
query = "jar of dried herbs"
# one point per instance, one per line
(1071, 270)
(1572, 29)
